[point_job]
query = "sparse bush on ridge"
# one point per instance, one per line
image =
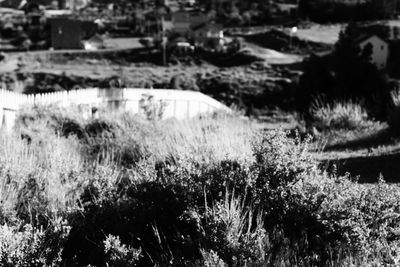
(210, 191)
(340, 116)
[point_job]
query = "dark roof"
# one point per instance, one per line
(365, 36)
(96, 38)
(206, 25)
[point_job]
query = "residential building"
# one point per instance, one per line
(183, 21)
(380, 49)
(66, 33)
(96, 42)
(208, 35)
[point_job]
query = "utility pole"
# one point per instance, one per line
(293, 30)
(163, 41)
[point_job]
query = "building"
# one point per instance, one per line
(208, 35)
(380, 49)
(96, 42)
(184, 20)
(66, 33)
(181, 22)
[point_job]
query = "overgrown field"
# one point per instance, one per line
(120, 190)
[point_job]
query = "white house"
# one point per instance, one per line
(96, 42)
(208, 35)
(380, 49)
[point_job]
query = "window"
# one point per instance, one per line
(382, 47)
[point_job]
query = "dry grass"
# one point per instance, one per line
(54, 162)
(50, 173)
(208, 139)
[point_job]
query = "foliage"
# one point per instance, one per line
(150, 215)
(235, 232)
(340, 116)
(153, 109)
(343, 11)
(210, 191)
(346, 75)
(28, 246)
(119, 254)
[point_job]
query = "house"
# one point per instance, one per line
(287, 9)
(96, 42)
(50, 13)
(183, 21)
(208, 35)
(380, 49)
(181, 45)
(66, 33)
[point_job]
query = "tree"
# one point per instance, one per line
(347, 74)
(331, 10)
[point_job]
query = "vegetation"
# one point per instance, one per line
(340, 116)
(346, 75)
(121, 190)
(335, 11)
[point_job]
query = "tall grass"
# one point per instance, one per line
(340, 116)
(208, 139)
(53, 165)
(121, 190)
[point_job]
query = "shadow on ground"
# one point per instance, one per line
(368, 168)
(381, 138)
(381, 156)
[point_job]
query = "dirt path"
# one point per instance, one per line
(272, 56)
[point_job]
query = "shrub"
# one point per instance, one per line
(51, 118)
(118, 254)
(149, 215)
(234, 232)
(29, 246)
(153, 109)
(183, 82)
(280, 161)
(313, 217)
(101, 128)
(108, 142)
(39, 179)
(199, 192)
(340, 116)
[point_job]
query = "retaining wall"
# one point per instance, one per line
(170, 103)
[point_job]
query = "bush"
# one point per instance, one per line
(118, 254)
(29, 246)
(346, 75)
(211, 190)
(109, 142)
(340, 116)
(313, 217)
(235, 232)
(149, 216)
(57, 120)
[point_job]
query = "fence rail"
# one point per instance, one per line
(177, 103)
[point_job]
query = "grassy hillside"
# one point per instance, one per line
(120, 190)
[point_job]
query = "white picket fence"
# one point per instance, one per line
(177, 104)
